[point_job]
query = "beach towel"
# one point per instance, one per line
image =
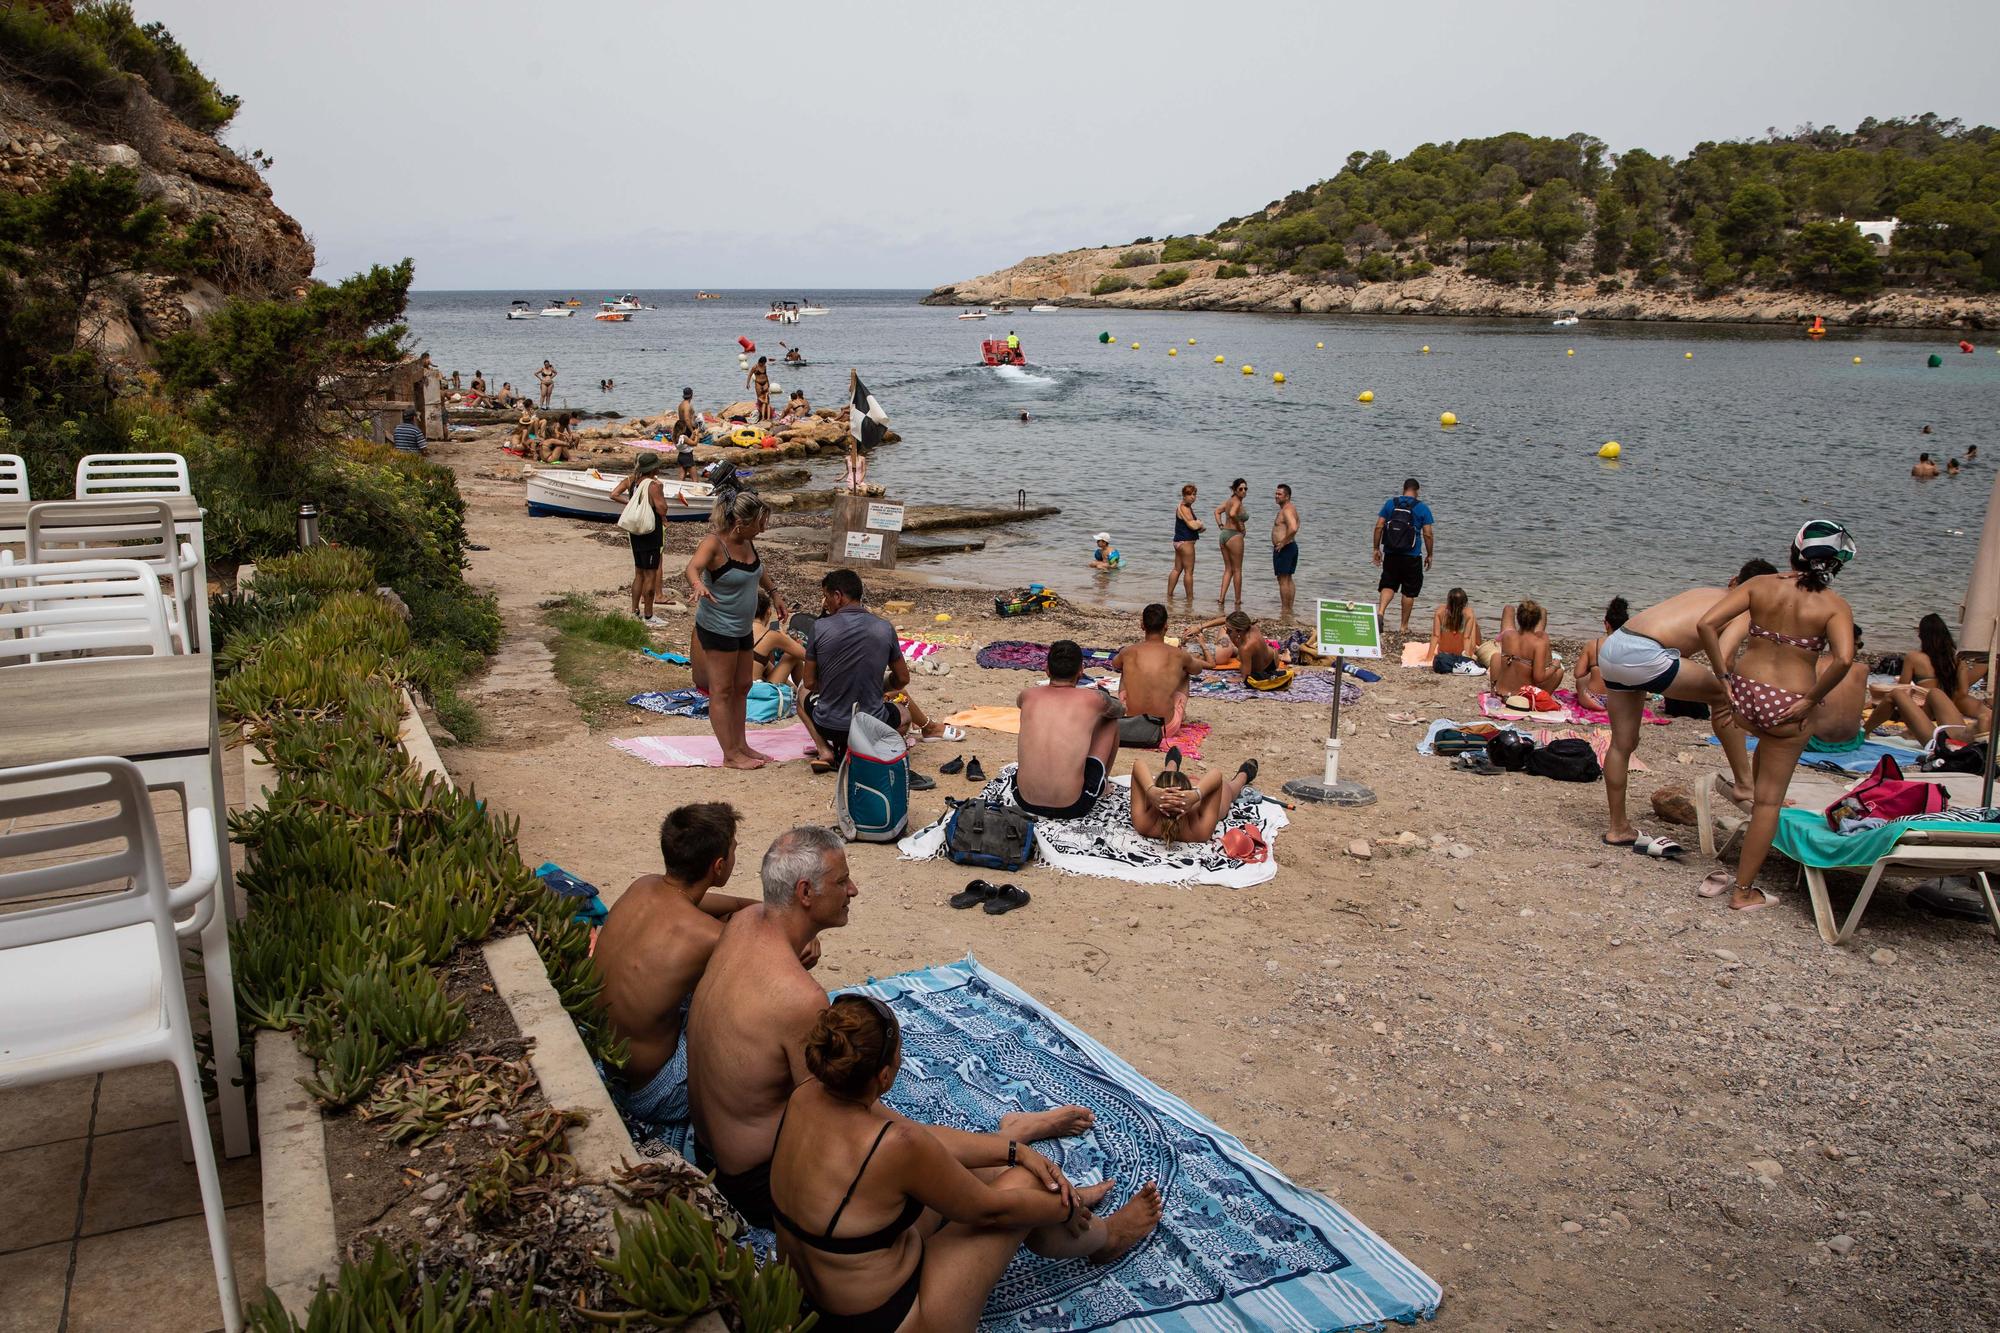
(1491, 705)
(672, 703)
(1861, 759)
(1307, 687)
(1020, 655)
(989, 717)
(1418, 653)
(916, 650)
(1104, 844)
(1238, 1248)
(783, 744)
(1579, 711)
(1804, 836)
(678, 659)
(1189, 738)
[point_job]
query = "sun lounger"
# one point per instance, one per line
(1816, 791)
(1902, 848)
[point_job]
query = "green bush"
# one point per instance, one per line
(1180, 249)
(1167, 277)
(1232, 271)
(91, 62)
(1137, 259)
(1109, 283)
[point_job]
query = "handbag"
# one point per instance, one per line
(1886, 794)
(637, 517)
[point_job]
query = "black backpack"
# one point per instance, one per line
(990, 834)
(1566, 760)
(1399, 534)
(1948, 758)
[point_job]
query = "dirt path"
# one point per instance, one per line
(1538, 1066)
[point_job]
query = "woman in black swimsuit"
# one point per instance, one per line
(896, 1225)
(1187, 536)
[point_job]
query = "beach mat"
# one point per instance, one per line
(1238, 1248)
(783, 744)
(1861, 759)
(1020, 655)
(1581, 712)
(1307, 687)
(1104, 844)
(989, 717)
(672, 703)
(1490, 705)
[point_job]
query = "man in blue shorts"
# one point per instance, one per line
(1405, 542)
(1285, 547)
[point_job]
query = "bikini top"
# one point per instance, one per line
(829, 1243)
(1812, 645)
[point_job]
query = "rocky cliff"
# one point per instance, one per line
(263, 250)
(1068, 278)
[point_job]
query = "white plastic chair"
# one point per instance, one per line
(64, 531)
(106, 608)
(13, 478)
(131, 474)
(93, 983)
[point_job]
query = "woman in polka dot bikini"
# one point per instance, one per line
(1777, 680)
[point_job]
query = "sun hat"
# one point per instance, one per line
(1826, 537)
(648, 463)
(1104, 537)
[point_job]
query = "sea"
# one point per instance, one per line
(1730, 437)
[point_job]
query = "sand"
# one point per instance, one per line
(1573, 1092)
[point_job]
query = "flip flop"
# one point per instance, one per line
(972, 895)
(950, 733)
(918, 782)
(1660, 849)
(1716, 883)
(1173, 759)
(1605, 838)
(1248, 768)
(952, 765)
(1005, 899)
(1405, 719)
(1475, 762)
(1767, 896)
(821, 767)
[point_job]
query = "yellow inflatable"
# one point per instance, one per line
(1688, 355)
(1570, 352)
(1277, 682)
(1190, 342)
(1322, 346)
(1135, 347)
(1857, 360)
(1609, 450)
(746, 437)
(1218, 360)
(1277, 377)
(1427, 347)
(1173, 351)
(1249, 370)
(1365, 396)
(1447, 419)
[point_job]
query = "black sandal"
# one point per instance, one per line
(1248, 768)
(952, 765)
(1005, 899)
(975, 893)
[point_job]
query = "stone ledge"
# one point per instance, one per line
(300, 1250)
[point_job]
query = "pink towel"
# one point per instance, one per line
(1189, 738)
(1581, 712)
(783, 744)
(915, 650)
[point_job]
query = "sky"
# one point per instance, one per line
(879, 143)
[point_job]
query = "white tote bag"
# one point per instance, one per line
(638, 517)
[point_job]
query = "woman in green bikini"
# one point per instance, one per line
(1230, 523)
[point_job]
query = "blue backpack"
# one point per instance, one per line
(872, 800)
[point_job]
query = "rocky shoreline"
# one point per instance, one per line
(1068, 279)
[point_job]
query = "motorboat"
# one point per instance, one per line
(1566, 320)
(557, 310)
(615, 316)
(586, 493)
(708, 296)
(627, 302)
(784, 313)
(1043, 309)
(808, 308)
(996, 352)
(973, 314)
(1003, 310)
(520, 310)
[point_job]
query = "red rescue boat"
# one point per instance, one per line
(996, 352)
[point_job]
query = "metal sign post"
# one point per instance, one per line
(1345, 629)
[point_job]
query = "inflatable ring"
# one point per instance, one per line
(1277, 682)
(746, 437)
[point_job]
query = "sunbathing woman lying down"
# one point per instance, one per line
(1173, 809)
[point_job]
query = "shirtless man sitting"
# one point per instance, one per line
(1251, 652)
(1172, 809)
(747, 1026)
(653, 948)
(1069, 737)
(1645, 656)
(1153, 678)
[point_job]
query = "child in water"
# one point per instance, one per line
(1104, 557)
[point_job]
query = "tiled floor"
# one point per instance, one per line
(100, 1220)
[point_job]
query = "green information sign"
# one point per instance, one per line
(1349, 629)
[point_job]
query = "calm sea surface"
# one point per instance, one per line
(1725, 454)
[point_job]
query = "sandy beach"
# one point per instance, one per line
(1574, 1093)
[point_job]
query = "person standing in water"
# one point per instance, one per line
(686, 425)
(546, 377)
(1187, 536)
(1230, 524)
(759, 380)
(1285, 547)
(1405, 542)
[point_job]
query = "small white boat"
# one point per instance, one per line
(1565, 320)
(520, 310)
(973, 314)
(810, 309)
(625, 302)
(1043, 309)
(557, 310)
(586, 493)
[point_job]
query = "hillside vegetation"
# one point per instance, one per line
(1776, 212)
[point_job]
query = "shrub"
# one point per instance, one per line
(1167, 277)
(1137, 259)
(1416, 269)
(1606, 286)
(1376, 267)
(91, 64)
(1232, 271)
(1180, 249)
(1110, 282)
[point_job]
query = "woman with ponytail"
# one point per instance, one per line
(1936, 686)
(893, 1224)
(1778, 679)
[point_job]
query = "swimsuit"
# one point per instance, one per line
(748, 1192)
(1183, 532)
(885, 1317)
(664, 1098)
(1633, 662)
(1760, 704)
(1093, 787)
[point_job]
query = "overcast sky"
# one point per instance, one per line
(613, 143)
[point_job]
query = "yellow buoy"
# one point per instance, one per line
(1857, 360)
(1249, 370)
(1218, 361)
(1277, 377)
(1609, 450)
(1447, 419)
(1173, 351)
(1135, 347)
(1427, 347)
(1321, 345)
(1190, 342)
(1365, 396)
(943, 617)
(1570, 352)
(1688, 355)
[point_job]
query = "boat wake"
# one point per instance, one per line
(1019, 375)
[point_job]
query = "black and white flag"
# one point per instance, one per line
(866, 422)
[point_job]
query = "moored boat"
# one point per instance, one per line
(586, 493)
(520, 310)
(996, 352)
(557, 310)
(1043, 309)
(973, 314)
(615, 316)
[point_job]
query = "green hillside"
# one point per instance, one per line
(1764, 213)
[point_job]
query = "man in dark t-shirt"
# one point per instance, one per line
(854, 661)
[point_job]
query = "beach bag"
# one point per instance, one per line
(1140, 731)
(1452, 741)
(1399, 533)
(1886, 794)
(872, 799)
(637, 517)
(767, 702)
(1949, 758)
(989, 834)
(1566, 760)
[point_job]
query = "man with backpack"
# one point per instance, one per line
(853, 661)
(1405, 542)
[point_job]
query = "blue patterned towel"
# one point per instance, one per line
(672, 703)
(1239, 1247)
